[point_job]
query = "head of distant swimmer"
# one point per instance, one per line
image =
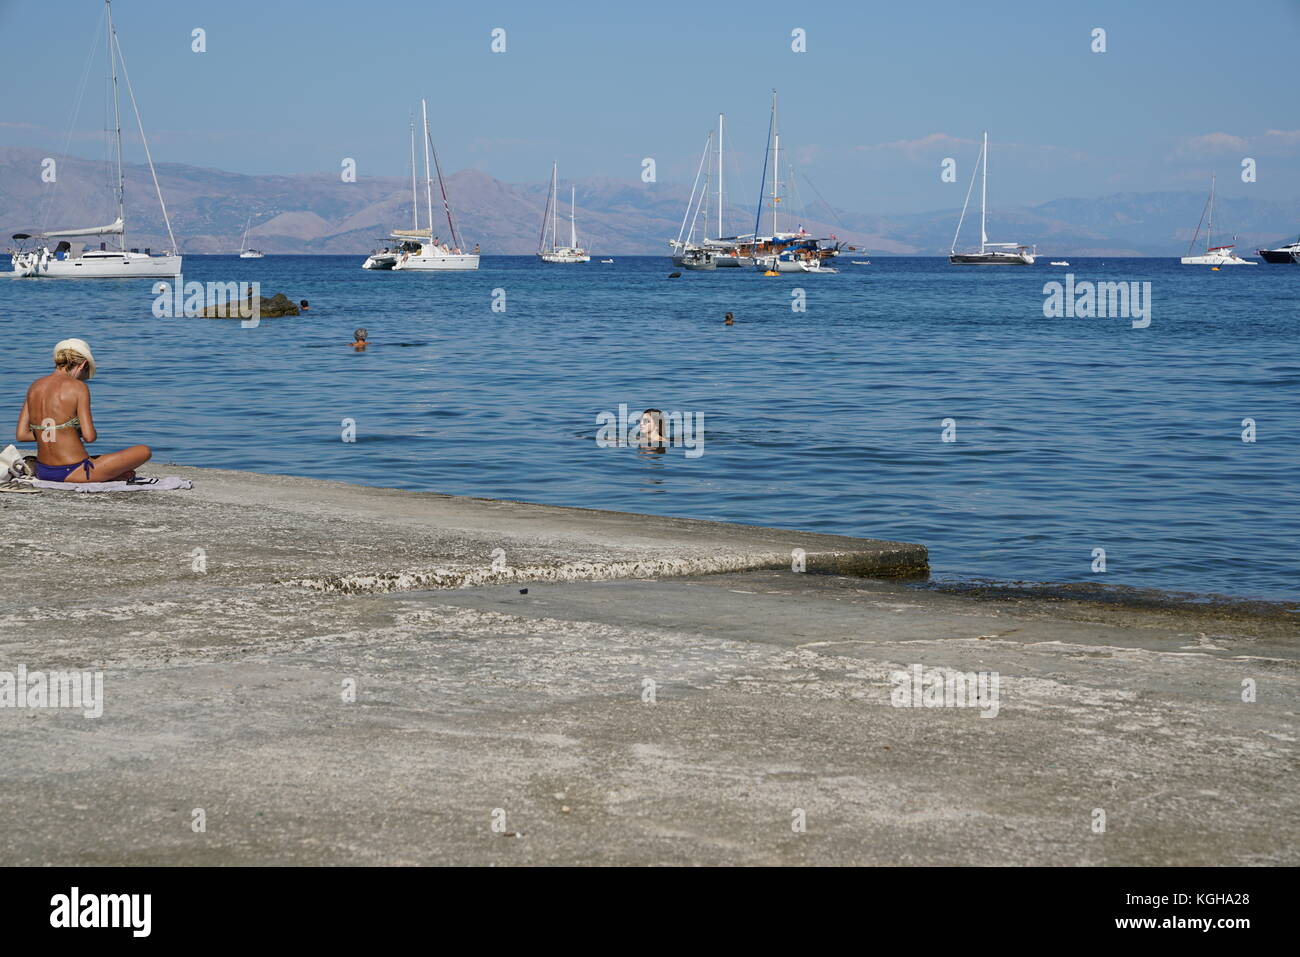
(302, 303)
(73, 363)
(361, 335)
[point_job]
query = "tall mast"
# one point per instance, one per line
(428, 175)
(117, 126)
(776, 164)
(1209, 231)
(984, 194)
(554, 203)
(415, 193)
(573, 213)
(719, 175)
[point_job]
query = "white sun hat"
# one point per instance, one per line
(80, 347)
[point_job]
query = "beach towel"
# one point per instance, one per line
(138, 484)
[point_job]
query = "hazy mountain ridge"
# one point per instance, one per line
(318, 213)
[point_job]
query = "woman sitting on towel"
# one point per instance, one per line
(56, 413)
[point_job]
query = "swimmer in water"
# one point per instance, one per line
(728, 321)
(652, 438)
(359, 340)
(302, 304)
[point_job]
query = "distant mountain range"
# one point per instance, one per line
(318, 213)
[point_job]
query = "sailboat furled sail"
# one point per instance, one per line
(989, 254)
(67, 260)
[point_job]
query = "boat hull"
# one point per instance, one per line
(991, 259)
(379, 262)
(1216, 261)
(449, 262)
(564, 257)
(252, 255)
(114, 266)
(1286, 254)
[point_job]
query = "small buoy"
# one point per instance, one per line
(1214, 269)
(674, 275)
(771, 272)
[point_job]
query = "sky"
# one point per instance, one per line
(882, 94)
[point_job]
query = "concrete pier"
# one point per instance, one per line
(330, 674)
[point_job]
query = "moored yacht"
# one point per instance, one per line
(552, 252)
(989, 254)
(1290, 253)
(244, 251)
(783, 252)
(55, 257)
(420, 249)
(1213, 255)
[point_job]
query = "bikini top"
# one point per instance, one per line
(72, 423)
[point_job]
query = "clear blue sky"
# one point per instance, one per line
(884, 92)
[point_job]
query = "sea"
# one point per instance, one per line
(906, 399)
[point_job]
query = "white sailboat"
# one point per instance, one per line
(431, 252)
(55, 257)
(990, 254)
(553, 253)
(244, 251)
(1214, 255)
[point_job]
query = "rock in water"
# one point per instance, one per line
(275, 307)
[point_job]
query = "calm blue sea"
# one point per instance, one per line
(1071, 434)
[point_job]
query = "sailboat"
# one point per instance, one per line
(55, 257)
(990, 254)
(783, 252)
(429, 251)
(553, 253)
(244, 251)
(1214, 255)
(723, 251)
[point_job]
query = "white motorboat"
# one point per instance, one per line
(55, 257)
(552, 252)
(1213, 255)
(430, 252)
(989, 254)
(1059, 262)
(244, 251)
(607, 260)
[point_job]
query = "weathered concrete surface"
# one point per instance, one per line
(772, 693)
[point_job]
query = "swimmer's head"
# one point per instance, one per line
(360, 334)
(652, 424)
(302, 303)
